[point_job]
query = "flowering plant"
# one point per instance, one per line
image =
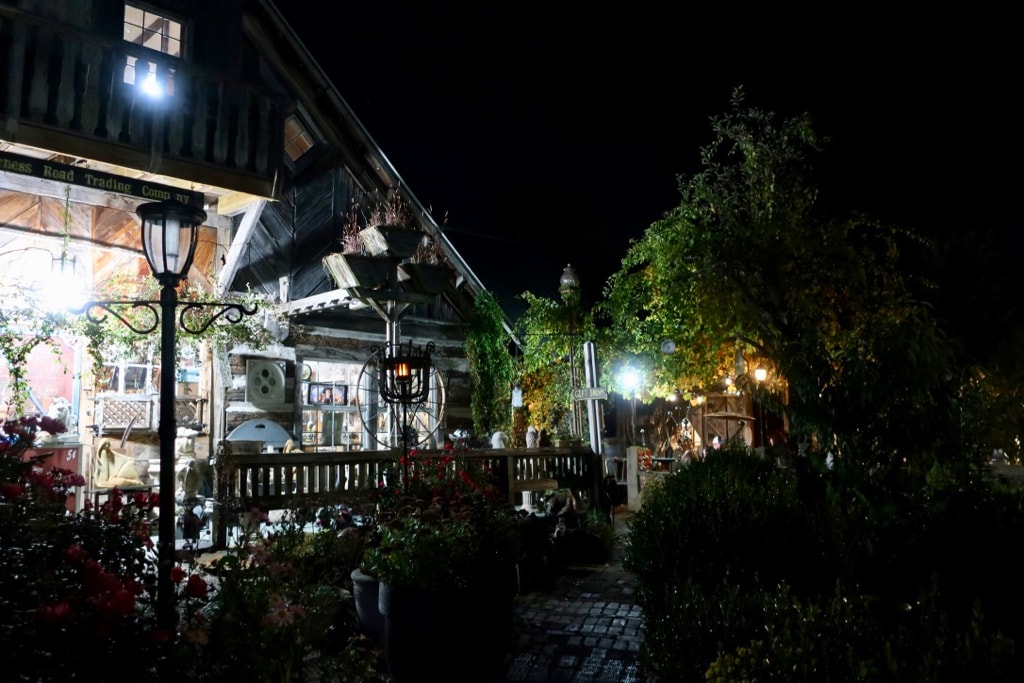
(273, 608)
(446, 526)
(76, 590)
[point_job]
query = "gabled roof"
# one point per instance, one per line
(313, 233)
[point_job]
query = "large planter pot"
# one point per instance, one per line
(366, 595)
(351, 271)
(460, 636)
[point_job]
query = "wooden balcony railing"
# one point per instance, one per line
(63, 89)
(283, 481)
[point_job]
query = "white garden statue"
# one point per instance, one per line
(499, 440)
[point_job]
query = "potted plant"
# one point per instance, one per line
(372, 245)
(390, 229)
(427, 272)
(446, 557)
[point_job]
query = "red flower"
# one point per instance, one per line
(12, 491)
(51, 426)
(116, 603)
(161, 635)
(76, 554)
(178, 574)
(53, 614)
(196, 587)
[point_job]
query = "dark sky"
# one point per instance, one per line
(548, 136)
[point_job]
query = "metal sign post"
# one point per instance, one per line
(591, 393)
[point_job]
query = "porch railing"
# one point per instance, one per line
(282, 481)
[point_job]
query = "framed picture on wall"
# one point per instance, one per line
(327, 394)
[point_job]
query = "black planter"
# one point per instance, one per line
(350, 271)
(398, 241)
(366, 595)
(460, 636)
(426, 278)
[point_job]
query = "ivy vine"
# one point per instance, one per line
(488, 349)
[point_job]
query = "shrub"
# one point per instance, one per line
(749, 572)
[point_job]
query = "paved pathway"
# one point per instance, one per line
(586, 629)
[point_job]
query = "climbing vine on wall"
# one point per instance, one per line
(488, 346)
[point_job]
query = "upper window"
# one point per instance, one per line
(151, 30)
(155, 32)
(297, 140)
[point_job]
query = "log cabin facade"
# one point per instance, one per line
(108, 104)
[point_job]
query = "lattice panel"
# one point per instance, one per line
(117, 413)
(188, 411)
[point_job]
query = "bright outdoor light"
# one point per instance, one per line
(170, 231)
(760, 374)
(630, 380)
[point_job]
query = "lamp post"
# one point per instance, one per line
(569, 288)
(170, 231)
(169, 236)
(404, 379)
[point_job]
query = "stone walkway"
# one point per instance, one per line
(585, 629)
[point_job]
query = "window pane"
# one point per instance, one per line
(152, 31)
(296, 140)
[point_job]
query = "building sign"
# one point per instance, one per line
(96, 180)
(589, 394)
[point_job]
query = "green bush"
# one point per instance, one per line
(750, 572)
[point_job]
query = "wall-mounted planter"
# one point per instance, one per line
(350, 271)
(426, 278)
(398, 241)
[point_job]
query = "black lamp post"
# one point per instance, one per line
(170, 231)
(569, 288)
(169, 236)
(404, 379)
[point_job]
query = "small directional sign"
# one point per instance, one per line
(589, 393)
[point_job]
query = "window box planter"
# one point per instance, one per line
(352, 271)
(398, 241)
(425, 278)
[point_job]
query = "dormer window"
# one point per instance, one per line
(154, 32)
(297, 140)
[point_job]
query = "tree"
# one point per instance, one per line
(750, 260)
(552, 336)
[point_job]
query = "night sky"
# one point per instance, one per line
(545, 136)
